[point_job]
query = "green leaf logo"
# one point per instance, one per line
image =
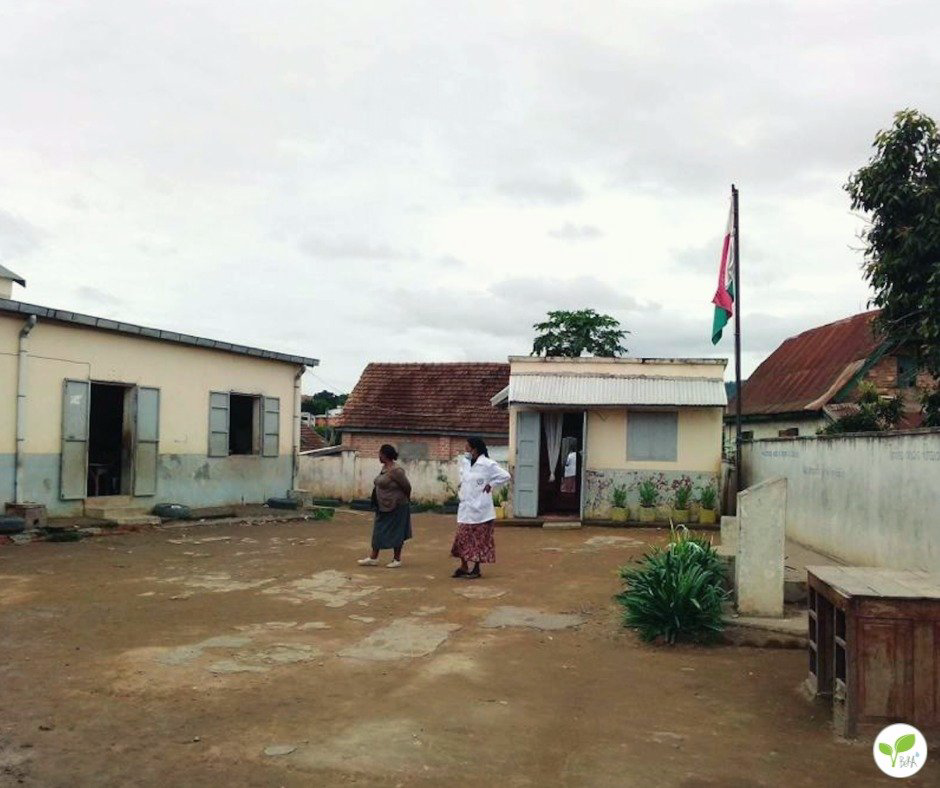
(905, 743)
(885, 749)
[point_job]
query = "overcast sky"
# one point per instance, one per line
(400, 181)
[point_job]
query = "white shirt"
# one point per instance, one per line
(571, 464)
(476, 505)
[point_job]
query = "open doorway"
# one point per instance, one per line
(109, 440)
(561, 495)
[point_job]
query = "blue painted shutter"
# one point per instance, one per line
(146, 440)
(218, 423)
(73, 469)
(525, 499)
(271, 427)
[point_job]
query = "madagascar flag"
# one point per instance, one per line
(724, 295)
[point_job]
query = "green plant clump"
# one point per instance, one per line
(323, 513)
(619, 497)
(708, 497)
(649, 493)
(677, 593)
(683, 496)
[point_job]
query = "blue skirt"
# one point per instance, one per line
(391, 529)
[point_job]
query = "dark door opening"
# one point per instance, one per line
(562, 495)
(108, 441)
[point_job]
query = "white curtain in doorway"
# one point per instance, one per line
(551, 423)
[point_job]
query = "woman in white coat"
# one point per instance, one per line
(473, 542)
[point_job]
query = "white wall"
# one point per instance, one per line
(869, 500)
(347, 476)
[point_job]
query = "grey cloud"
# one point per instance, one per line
(576, 232)
(545, 191)
(97, 299)
(17, 236)
(347, 249)
(450, 261)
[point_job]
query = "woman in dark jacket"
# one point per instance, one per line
(391, 498)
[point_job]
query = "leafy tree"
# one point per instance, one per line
(571, 334)
(322, 401)
(875, 414)
(899, 189)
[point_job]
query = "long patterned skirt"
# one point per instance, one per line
(474, 543)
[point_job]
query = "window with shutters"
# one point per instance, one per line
(652, 435)
(242, 424)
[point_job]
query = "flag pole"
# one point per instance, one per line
(737, 335)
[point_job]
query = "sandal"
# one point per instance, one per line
(474, 575)
(460, 572)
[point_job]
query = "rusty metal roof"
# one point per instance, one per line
(808, 370)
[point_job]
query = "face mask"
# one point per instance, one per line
(467, 455)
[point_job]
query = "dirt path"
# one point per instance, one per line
(264, 656)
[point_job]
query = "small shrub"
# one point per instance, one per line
(323, 513)
(500, 495)
(649, 493)
(677, 592)
(683, 496)
(619, 497)
(708, 497)
(452, 496)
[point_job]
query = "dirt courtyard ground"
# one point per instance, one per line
(264, 656)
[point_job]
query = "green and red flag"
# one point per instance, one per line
(724, 295)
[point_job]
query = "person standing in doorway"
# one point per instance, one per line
(473, 542)
(391, 499)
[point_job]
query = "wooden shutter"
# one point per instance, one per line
(218, 423)
(146, 439)
(270, 427)
(525, 498)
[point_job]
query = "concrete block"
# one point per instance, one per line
(759, 565)
(729, 533)
(555, 525)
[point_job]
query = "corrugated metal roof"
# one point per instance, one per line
(87, 321)
(601, 390)
(807, 370)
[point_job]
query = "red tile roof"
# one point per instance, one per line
(808, 370)
(310, 439)
(453, 397)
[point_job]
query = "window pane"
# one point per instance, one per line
(652, 435)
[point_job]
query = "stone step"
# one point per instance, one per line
(561, 525)
(110, 502)
(790, 631)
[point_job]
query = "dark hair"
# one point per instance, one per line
(388, 451)
(479, 445)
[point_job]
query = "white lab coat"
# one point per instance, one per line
(476, 505)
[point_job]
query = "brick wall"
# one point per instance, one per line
(884, 375)
(410, 447)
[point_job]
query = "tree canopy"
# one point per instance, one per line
(584, 331)
(899, 189)
(322, 401)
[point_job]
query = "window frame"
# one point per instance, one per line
(631, 447)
